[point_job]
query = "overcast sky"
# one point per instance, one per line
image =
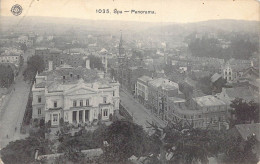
(179, 11)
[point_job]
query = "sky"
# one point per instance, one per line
(179, 11)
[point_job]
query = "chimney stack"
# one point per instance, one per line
(87, 63)
(50, 65)
(252, 63)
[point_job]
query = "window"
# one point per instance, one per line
(87, 102)
(81, 103)
(71, 75)
(104, 100)
(113, 93)
(105, 112)
(55, 104)
(39, 111)
(39, 99)
(55, 117)
(61, 62)
(74, 103)
(78, 76)
(63, 77)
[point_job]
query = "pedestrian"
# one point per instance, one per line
(15, 129)
(7, 136)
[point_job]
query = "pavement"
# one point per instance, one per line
(138, 111)
(12, 113)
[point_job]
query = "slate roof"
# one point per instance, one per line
(145, 79)
(164, 83)
(246, 130)
(87, 75)
(215, 77)
(240, 92)
(209, 100)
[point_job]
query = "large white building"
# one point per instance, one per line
(78, 95)
(11, 56)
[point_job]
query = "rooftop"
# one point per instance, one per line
(164, 83)
(215, 77)
(240, 92)
(71, 74)
(145, 78)
(176, 99)
(247, 130)
(209, 100)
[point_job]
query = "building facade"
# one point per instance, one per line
(159, 92)
(77, 95)
(205, 112)
(141, 89)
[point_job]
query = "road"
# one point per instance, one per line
(140, 113)
(12, 114)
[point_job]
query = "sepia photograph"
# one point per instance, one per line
(129, 82)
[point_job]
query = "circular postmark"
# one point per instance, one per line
(16, 9)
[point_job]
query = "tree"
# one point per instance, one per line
(81, 141)
(186, 89)
(42, 123)
(34, 64)
(245, 112)
(99, 117)
(124, 140)
(184, 143)
(111, 117)
(204, 84)
(95, 62)
(22, 151)
(6, 76)
(238, 151)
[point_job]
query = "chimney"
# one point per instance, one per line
(87, 64)
(50, 65)
(252, 63)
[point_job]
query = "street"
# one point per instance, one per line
(12, 115)
(140, 113)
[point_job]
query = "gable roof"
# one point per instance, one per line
(246, 130)
(215, 77)
(240, 92)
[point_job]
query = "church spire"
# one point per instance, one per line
(121, 49)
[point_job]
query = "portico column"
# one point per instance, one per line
(83, 116)
(77, 117)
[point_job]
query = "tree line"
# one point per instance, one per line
(119, 141)
(210, 47)
(6, 76)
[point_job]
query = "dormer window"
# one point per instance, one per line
(55, 104)
(104, 100)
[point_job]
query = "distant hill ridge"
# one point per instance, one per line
(115, 25)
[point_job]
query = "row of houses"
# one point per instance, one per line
(167, 102)
(12, 57)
